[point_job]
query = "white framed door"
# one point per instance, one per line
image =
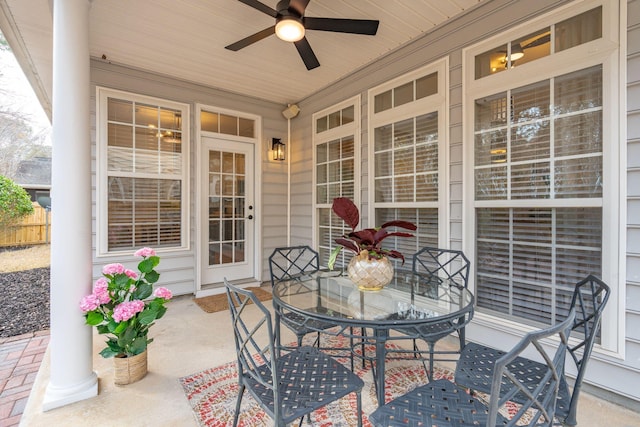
(228, 210)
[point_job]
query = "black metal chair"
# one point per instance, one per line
(289, 386)
(476, 364)
(437, 267)
(289, 263)
(442, 403)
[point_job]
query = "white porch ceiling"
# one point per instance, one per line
(186, 39)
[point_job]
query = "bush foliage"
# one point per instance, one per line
(15, 202)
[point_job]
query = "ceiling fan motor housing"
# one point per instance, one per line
(285, 8)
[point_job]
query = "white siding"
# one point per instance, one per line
(632, 315)
(178, 269)
(606, 373)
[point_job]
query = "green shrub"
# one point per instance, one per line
(15, 202)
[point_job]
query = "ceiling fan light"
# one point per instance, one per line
(289, 29)
(516, 52)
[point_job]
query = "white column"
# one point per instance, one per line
(72, 377)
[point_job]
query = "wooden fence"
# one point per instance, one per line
(32, 230)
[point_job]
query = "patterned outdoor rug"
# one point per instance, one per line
(212, 394)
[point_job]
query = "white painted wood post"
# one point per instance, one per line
(70, 348)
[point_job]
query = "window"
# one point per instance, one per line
(211, 121)
(336, 141)
(142, 172)
(529, 257)
(408, 131)
(542, 190)
(566, 34)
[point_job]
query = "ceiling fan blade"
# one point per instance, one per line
(306, 53)
(261, 7)
(353, 26)
(251, 39)
(537, 42)
(299, 6)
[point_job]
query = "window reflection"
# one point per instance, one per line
(566, 34)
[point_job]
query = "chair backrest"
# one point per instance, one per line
(291, 262)
(540, 393)
(442, 263)
(254, 340)
(589, 299)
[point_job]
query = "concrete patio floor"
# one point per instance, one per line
(188, 340)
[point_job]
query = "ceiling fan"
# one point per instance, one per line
(291, 25)
(538, 41)
(517, 49)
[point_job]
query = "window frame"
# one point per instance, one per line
(350, 129)
(438, 102)
(102, 175)
(605, 52)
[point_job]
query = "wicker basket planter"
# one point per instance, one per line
(130, 369)
(370, 274)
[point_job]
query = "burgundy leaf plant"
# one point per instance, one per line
(368, 239)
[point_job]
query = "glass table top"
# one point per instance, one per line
(410, 298)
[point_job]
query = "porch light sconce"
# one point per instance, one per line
(277, 147)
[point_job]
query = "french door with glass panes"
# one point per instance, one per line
(228, 210)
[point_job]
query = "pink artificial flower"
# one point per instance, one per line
(101, 291)
(163, 293)
(131, 273)
(145, 252)
(112, 269)
(89, 303)
(127, 310)
(100, 283)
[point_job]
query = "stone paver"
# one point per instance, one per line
(20, 358)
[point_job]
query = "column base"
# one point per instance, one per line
(55, 397)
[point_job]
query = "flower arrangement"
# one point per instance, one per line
(368, 239)
(119, 305)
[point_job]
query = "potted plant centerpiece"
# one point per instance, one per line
(123, 305)
(370, 269)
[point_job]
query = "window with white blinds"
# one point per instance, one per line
(406, 160)
(408, 140)
(529, 259)
(336, 141)
(538, 169)
(143, 164)
(544, 171)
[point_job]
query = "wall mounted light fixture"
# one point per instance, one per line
(277, 147)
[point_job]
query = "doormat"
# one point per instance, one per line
(213, 393)
(215, 303)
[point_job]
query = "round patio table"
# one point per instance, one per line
(412, 302)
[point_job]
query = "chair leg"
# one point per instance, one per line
(351, 347)
(363, 334)
(571, 419)
(237, 413)
(359, 407)
(431, 351)
(300, 337)
(416, 352)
